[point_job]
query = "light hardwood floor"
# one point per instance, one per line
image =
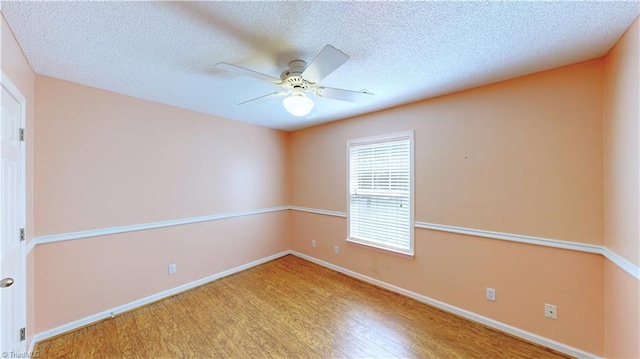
(288, 308)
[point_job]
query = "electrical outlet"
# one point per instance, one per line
(550, 311)
(336, 249)
(172, 269)
(491, 294)
(313, 243)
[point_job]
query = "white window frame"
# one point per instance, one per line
(385, 138)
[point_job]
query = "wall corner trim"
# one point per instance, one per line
(621, 262)
(30, 245)
(147, 300)
(534, 338)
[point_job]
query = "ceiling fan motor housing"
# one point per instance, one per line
(292, 79)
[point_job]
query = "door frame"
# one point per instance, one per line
(22, 309)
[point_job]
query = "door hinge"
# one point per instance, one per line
(23, 334)
(22, 134)
(22, 234)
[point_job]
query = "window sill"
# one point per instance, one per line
(401, 253)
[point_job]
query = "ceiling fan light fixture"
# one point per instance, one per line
(298, 104)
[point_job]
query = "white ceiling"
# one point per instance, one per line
(401, 51)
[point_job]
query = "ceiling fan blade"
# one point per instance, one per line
(241, 70)
(275, 94)
(327, 61)
(344, 95)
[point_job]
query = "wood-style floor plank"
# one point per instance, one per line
(127, 336)
(196, 340)
(96, 340)
(172, 333)
(288, 308)
(280, 315)
(279, 321)
(149, 333)
(58, 347)
(293, 314)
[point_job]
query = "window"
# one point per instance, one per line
(380, 191)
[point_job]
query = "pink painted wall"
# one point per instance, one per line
(622, 193)
(15, 66)
(105, 272)
(105, 160)
(622, 146)
(521, 156)
(455, 269)
(622, 313)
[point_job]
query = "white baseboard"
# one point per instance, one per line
(152, 298)
(534, 338)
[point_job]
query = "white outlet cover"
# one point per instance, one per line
(550, 311)
(336, 249)
(172, 269)
(491, 294)
(313, 243)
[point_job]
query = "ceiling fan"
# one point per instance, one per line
(299, 80)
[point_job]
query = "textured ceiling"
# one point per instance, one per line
(401, 51)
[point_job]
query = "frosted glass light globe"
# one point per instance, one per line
(298, 104)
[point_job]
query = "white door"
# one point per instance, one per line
(12, 295)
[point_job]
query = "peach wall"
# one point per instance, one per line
(15, 66)
(622, 146)
(102, 273)
(622, 313)
(521, 156)
(622, 193)
(455, 269)
(106, 160)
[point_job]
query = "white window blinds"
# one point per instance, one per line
(381, 192)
